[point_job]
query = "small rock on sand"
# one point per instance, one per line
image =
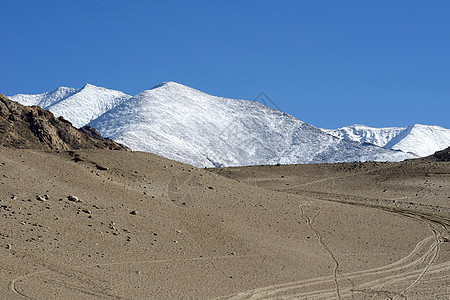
(73, 198)
(42, 198)
(102, 168)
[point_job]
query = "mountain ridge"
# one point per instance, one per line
(185, 124)
(80, 106)
(422, 140)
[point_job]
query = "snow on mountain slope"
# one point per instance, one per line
(187, 125)
(422, 140)
(365, 134)
(79, 106)
(44, 100)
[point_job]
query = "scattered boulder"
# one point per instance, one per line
(110, 144)
(134, 212)
(73, 198)
(101, 168)
(42, 198)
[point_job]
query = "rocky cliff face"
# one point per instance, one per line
(443, 155)
(31, 127)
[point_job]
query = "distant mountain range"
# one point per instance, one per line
(421, 140)
(184, 124)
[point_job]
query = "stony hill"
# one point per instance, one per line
(32, 127)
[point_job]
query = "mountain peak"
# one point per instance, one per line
(193, 127)
(169, 84)
(416, 125)
(89, 86)
(185, 124)
(80, 105)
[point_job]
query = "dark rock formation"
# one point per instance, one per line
(443, 155)
(31, 127)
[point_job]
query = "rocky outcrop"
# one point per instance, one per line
(443, 155)
(31, 127)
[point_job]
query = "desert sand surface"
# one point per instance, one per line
(103, 224)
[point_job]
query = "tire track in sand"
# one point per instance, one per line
(309, 222)
(400, 271)
(13, 283)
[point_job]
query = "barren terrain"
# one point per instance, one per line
(138, 226)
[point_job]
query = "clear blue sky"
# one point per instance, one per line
(328, 63)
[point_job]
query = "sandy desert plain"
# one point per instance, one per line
(145, 227)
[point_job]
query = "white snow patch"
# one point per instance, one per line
(422, 140)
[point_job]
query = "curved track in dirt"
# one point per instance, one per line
(392, 281)
(15, 286)
(371, 282)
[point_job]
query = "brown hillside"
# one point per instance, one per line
(31, 127)
(443, 155)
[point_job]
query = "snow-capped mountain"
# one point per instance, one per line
(187, 125)
(184, 124)
(365, 134)
(44, 100)
(79, 106)
(422, 140)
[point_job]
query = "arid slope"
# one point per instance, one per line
(151, 228)
(416, 189)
